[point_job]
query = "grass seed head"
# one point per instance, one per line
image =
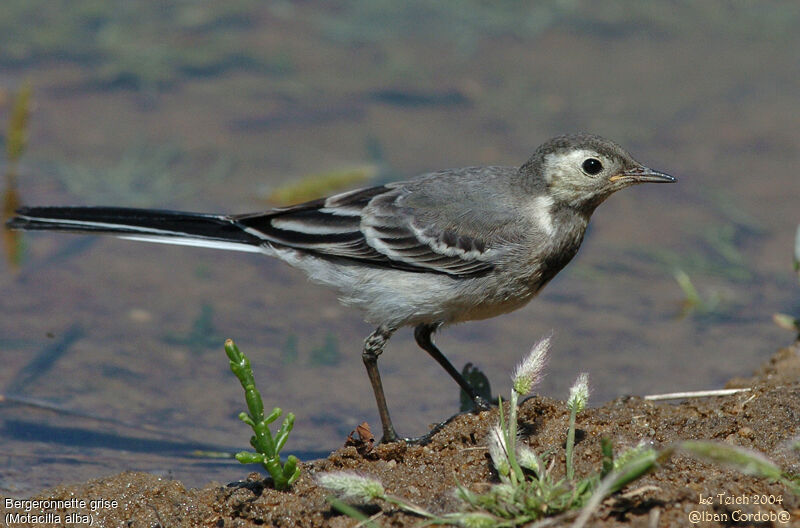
(529, 372)
(349, 485)
(579, 393)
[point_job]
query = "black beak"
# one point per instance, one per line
(643, 175)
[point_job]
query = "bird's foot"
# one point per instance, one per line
(418, 440)
(480, 404)
(390, 437)
(426, 438)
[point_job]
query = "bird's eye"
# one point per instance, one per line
(592, 166)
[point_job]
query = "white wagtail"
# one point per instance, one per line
(446, 247)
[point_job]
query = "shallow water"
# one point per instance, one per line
(132, 333)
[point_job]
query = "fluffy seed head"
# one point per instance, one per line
(504, 492)
(498, 451)
(528, 459)
(349, 485)
(529, 372)
(579, 393)
(476, 520)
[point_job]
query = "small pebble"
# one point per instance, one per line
(746, 432)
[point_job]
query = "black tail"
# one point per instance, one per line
(140, 224)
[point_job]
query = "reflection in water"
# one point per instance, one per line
(44, 361)
(89, 437)
(16, 141)
(12, 240)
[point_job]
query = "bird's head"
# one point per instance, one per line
(583, 170)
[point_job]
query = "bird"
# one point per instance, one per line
(446, 247)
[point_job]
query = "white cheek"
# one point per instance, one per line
(566, 167)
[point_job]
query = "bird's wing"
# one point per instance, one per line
(433, 224)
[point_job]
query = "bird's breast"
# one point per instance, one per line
(549, 253)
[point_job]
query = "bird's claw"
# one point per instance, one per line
(480, 404)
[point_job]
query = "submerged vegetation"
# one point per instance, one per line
(151, 45)
(321, 184)
(16, 141)
(693, 302)
(202, 335)
(145, 46)
(145, 175)
(717, 253)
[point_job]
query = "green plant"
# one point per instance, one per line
(354, 487)
(578, 396)
(527, 490)
(267, 447)
(742, 460)
(641, 459)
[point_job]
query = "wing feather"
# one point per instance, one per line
(400, 225)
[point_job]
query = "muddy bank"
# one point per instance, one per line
(765, 419)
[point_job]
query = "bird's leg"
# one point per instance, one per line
(423, 334)
(373, 347)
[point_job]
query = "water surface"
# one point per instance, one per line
(212, 108)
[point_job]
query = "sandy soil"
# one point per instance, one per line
(765, 419)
